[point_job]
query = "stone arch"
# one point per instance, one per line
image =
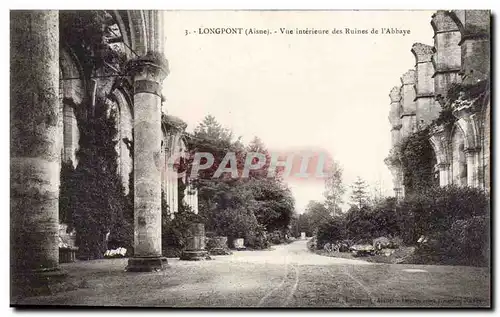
(469, 127)
(125, 135)
(440, 140)
(142, 30)
(458, 157)
(71, 97)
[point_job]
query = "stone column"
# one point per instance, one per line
(408, 120)
(447, 55)
(148, 73)
(395, 115)
(474, 44)
(472, 158)
(444, 172)
(35, 145)
(427, 109)
(195, 249)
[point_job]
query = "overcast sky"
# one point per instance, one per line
(296, 91)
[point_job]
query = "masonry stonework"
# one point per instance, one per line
(459, 59)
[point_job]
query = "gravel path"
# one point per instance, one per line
(288, 276)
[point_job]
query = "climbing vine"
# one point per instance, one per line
(92, 196)
(90, 34)
(417, 159)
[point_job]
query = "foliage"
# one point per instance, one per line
(359, 194)
(455, 221)
(175, 231)
(94, 192)
(86, 32)
(334, 189)
(445, 117)
(317, 214)
(471, 240)
(417, 160)
(65, 191)
(438, 208)
(332, 231)
(300, 223)
(237, 207)
(273, 202)
(468, 92)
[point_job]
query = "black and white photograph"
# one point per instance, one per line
(250, 158)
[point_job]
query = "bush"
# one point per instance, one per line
(438, 208)
(236, 223)
(176, 231)
(311, 244)
(456, 222)
(331, 232)
(258, 239)
(470, 244)
(276, 237)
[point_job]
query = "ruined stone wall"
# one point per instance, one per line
(460, 58)
(427, 109)
(408, 105)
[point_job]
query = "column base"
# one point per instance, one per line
(147, 264)
(36, 282)
(196, 255)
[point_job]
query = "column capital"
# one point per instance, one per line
(150, 67)
(472, 150)
(408, 78)
(395, 94)
(442, 165)
(422, 52)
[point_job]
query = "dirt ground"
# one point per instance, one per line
(288, 276)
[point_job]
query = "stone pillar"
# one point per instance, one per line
(472, 158)
(148, 74)
(447, 53)
(397, 178)
(444, 172)
(395, 115)
(440, 140)
(427, 109)
(408, 113)
(195, 249)
(35, 146)
(474, 43)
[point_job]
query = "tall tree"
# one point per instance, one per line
(334, 189)
(359, 196)
(317, 214)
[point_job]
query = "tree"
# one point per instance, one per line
(376, 194)
(334, 189)
(240, 206)
(317, 214)
(359, 195)
(97, 198)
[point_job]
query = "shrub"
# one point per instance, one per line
(470, 241)
(258, 239)
(311, 244)
(236, 223)
(176, 231)
(456, 222)
(331, 232)
(438, 208)
(93, 195)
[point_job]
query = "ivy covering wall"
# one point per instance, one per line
(417, 160)
(92, 195)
